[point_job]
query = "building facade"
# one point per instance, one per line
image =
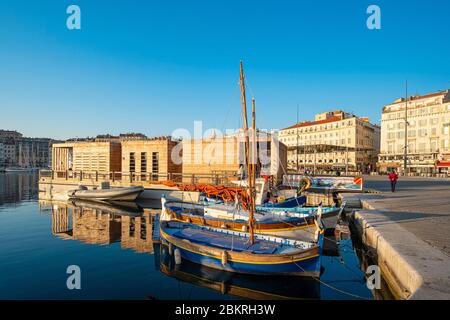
(225, 155)
(425, 121)
(10, 134)
(19, 151)
(148, 159)
(334, 141)
(87, 156)
(153, 158)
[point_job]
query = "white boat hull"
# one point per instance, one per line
(116, 194)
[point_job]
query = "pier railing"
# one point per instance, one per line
(70, 176)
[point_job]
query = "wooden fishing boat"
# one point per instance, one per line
(287, 203)
(230, 217)
(109, 194)
(233, 251)
(268, 219)
(243, 252)
(329, 215)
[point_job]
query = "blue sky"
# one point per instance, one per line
(154, 66)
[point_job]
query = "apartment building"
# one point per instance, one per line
(24, 152)
(425, 120)
(334, 141)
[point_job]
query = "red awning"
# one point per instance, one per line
(443, 164)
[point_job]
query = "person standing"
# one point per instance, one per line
(393, 177)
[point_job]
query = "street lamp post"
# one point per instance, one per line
(405, 155)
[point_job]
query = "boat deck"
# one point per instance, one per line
(233, 243)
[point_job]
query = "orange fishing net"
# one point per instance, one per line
(227, 194)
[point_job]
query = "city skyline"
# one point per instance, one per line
(165, 66)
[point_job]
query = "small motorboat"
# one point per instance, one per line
(107, 194)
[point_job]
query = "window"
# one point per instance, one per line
(445, 144)
(445, 129)
(132, 162)
(143, 164)
(422, 132)
(411, 133)
(155, 165)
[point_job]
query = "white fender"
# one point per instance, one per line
(163, 216)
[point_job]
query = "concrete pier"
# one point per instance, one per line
(410, 232)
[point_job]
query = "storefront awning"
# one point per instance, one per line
(443, 164)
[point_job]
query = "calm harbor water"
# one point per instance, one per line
(118, 260)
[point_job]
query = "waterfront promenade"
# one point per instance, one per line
(410, 231)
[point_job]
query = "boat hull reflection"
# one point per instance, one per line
(239, 285)
(117, 208)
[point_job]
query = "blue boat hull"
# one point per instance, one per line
(305, 266)
(289, 203)
(308, 267)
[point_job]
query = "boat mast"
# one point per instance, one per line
(247, 157)
(254, 153)
(253, 176)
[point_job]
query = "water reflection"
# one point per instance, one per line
(103, 223)
(15, 187)
(97, 236)
(239, 285)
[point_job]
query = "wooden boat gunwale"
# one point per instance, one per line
(243, 257)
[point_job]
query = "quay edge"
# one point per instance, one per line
(413, 269)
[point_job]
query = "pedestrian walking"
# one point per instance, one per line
(393, 177)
